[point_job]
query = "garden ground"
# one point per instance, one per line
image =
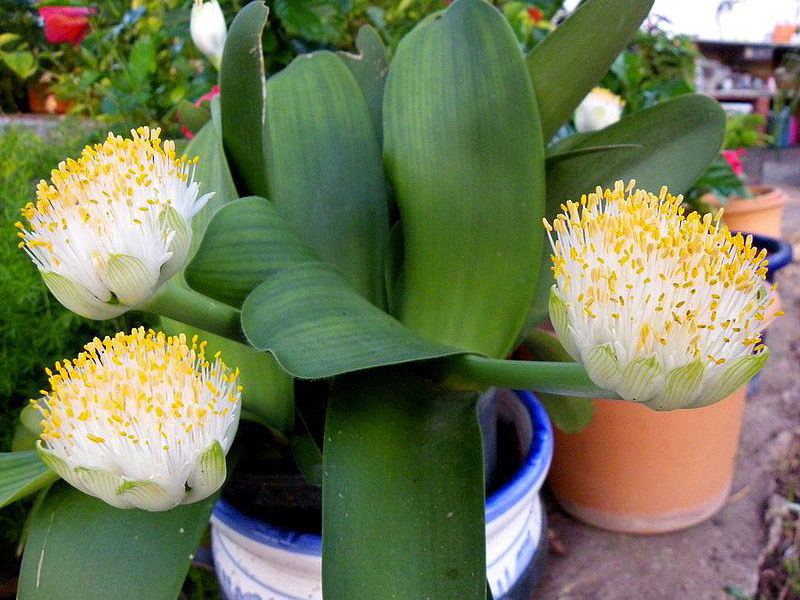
(699, 563)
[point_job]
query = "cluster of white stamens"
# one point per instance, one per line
(114, 224)
(661, 307)
(140, 419)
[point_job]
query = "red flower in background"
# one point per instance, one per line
(734, 159)
(535, 13)
(66, 23)
(205, 98)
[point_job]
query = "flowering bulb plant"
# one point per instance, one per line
(377, 226)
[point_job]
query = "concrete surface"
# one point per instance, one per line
(698, 563)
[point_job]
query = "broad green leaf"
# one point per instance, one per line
(246, 242)
(243, 98)
(403, 491)
(21, 474)
(571, 60)
(568, 413)
(464, 151)
(325, 171)
(318, 326)
(191, 116)
(213, 174)
(676, 140)
(80, 548)
(369, 67)
(268, 391)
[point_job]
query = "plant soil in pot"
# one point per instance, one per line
(260, 560)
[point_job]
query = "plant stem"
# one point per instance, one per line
(183, 304)
(565, 379)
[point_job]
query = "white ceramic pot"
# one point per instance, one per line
(258, 561)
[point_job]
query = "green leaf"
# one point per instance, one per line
(243, 97)
(246, 242)
(676, 140)
(464, 151)
(268, 391)
(128, 553)
(369, 67)
(325, 171)
(308, 457)
(569, 413)
(571, 60)
(317, 326)
(322, 21)
(214, 176)
(21, 62)
(192, 117)
(142, 60)
(21, 474)
(403, 496)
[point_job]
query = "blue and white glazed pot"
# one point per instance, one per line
(258, 561)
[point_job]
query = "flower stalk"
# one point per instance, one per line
(181, 303)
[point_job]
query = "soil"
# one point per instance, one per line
(724, 552)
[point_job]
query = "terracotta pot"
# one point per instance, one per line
(763, 213)
(635, 470)
(42, 101)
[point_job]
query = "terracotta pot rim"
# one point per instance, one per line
(764, 198)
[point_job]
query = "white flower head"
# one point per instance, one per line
(598, 110)
(660, 307)
(114, 224)
(140, 420)
(207, 26)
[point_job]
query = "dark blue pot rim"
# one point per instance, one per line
(779, 252)
(530, 474)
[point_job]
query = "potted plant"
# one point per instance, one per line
(750, 208)
(378, 324)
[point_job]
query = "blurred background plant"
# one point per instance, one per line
(656, 66)
(137, 62)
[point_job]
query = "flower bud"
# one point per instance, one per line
(598, 110)
(208, 29)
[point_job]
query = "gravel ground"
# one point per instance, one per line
(696, 564)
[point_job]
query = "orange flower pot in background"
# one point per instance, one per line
(635, 470)
(763, 213)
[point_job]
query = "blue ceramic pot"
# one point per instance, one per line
(258, 561)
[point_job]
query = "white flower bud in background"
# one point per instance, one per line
(208, 29)
(140, 420)
(598, 110)
(662, 308)
(114, 225)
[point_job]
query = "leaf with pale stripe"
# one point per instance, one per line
(22, 474)
(246, 242)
